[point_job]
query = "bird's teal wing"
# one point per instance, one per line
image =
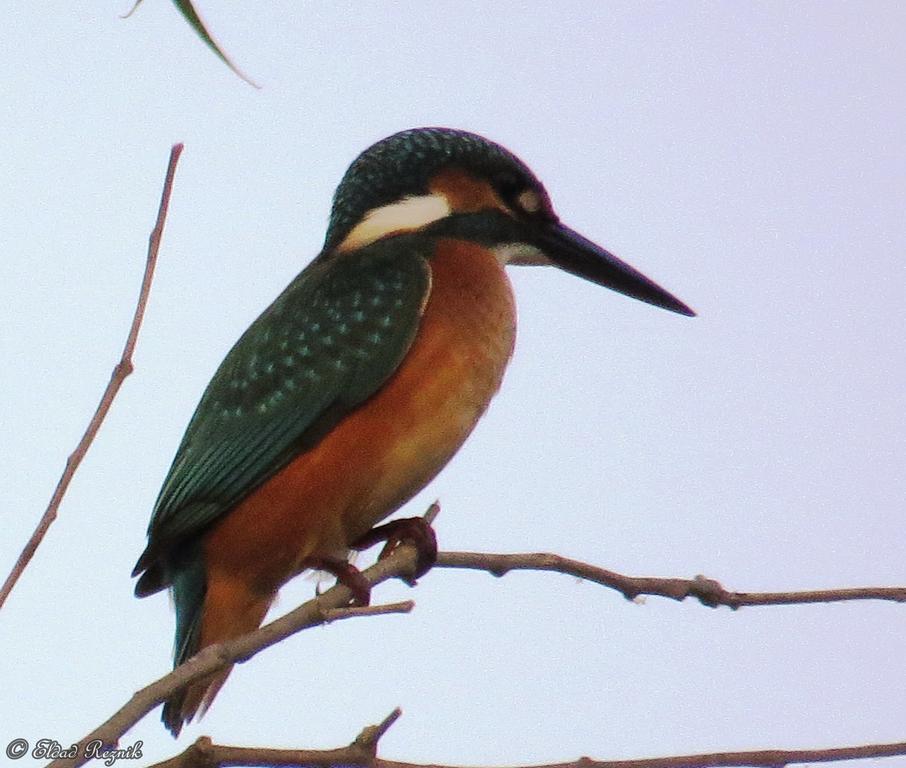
(328, 342)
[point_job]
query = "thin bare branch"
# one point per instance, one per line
(354, 611)
(122, 369)
(707, 591)
(372, 734)
(362, 753)
(332, 605)
(432, 512)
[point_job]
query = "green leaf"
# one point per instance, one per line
(186, 9)
(191, 15)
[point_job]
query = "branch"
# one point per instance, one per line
(362, 753)
(331, 606)
(707, 591)
(122, 369)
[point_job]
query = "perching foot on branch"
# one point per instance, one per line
(347, 575)
(416, 531)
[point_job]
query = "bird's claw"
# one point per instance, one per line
(347, 575)
(408, 530)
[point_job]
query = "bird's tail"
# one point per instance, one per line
(209, 609)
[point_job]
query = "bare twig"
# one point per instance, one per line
(332, 605)
(122, 369)
(432, 512)
(354, 611)
(362, 753)
(707, 591)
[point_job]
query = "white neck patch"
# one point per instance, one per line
(521, 254)
(407, 215)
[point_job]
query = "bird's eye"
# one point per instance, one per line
(522, 197)
(529, 201)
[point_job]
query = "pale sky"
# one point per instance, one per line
(748, 157)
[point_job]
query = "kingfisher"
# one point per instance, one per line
(352, 390)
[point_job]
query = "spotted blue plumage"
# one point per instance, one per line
(336, 333)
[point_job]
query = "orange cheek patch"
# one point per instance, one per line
(465, 193)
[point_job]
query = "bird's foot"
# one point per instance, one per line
(347, 575)
(409, 530)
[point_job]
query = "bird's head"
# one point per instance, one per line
(452, 183)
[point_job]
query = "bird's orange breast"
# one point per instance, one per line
(387, 449)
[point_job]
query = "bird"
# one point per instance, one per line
(355, 387)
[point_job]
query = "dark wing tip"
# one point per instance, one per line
(151, 577)
(172, 715)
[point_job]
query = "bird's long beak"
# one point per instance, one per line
(572, 252)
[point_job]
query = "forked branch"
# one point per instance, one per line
(362, 753)
(333, 605)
